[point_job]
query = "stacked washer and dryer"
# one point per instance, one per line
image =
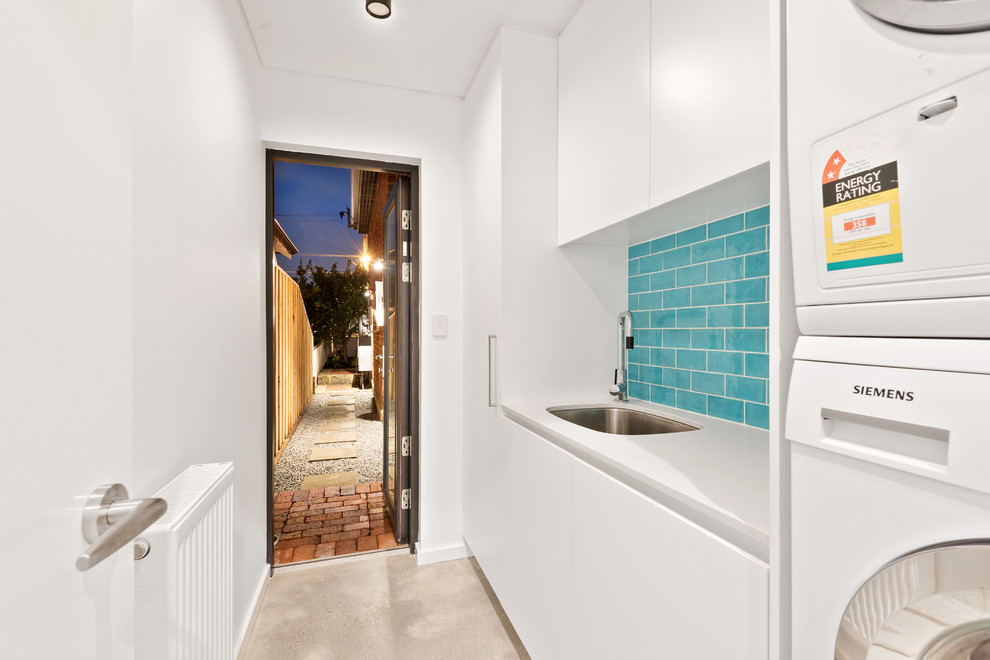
(888, 415)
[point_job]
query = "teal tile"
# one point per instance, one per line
(692, 401)
(758, 365)
(666, 279)
(665, 396)
(633, 267)
(753, 240)
(639, 284)
(677, 298)
(633, 302)
(725, 226)
(633, 370)
(758, 264)
(640, 250)
(650, 374)
(758, 315)
(758, 217)
(725, 270)
(650, 264)
(663, 357)
(729, 409)
(747, 389)
(708, 339)
(743, 291)
(689, 359)
(690, 275)
(758, 415)
(726, 316)
(663, 243)
(666, 318)
(724, 362)
(678, 378)
(646, 337)
(693, 235)
(640, 319)
(676, 258)
(702, 381)
(708, 251)
(677, 339)
(651, 300)
(692, 317)
(640, 355)
(708, 294)
(750, 340)
(638, 390)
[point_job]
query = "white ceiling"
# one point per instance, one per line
(428, 45)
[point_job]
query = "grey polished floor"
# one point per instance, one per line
(380, 607)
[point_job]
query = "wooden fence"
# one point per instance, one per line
(294, 382)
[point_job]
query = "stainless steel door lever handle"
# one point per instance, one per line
(111, 521)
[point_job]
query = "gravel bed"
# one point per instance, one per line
(294, 464)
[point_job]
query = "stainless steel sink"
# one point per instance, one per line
(620, 421)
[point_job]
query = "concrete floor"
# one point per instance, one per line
(381, 606)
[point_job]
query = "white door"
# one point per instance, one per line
(65, 326)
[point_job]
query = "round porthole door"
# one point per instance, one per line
(944, 16)
(932, 604)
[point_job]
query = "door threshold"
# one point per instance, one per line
(342, 559)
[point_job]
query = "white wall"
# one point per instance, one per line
(326, 115)
(559, 306)
(199, 261)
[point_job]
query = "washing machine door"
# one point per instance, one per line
(946, 16)
(932, 604)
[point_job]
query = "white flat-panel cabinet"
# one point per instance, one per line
(648, 583)
(603, 116)
(535, 589)
(593, 569)
(710, 93)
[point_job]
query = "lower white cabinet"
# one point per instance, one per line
(535, 532)
(592, 569)
(650, 584)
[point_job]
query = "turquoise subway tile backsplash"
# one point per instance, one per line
(700, 307)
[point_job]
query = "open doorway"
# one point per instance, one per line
(343, 358)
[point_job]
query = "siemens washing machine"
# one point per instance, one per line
(890, 497)
(887, 147)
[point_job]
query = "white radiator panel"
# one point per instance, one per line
(184, 587)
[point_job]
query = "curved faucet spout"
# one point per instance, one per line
(619, 388)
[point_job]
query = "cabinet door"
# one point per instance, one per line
(604, 116)
(710, 101)
(648, 583)
(535, 539)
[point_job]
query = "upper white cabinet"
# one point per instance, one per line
(710, 93)
(603, 116)
(657, 100)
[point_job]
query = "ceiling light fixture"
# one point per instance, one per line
(378, 8)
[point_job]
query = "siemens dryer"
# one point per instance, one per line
(890, 502)
(888, 166)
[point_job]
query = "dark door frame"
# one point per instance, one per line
(412, 171)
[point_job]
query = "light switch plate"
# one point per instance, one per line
(439, 325)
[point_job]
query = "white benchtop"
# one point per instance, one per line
(718, 477)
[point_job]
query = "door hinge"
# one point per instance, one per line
(405, 218)
(406, 445)
(406, 498)
(407, 272)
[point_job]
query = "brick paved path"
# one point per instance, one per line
(326, 522)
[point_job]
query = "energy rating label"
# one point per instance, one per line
(861, 205)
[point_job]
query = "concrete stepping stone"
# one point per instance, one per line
(339, 425)
(324, 480)
(331, 453)
(342, 401)
(336, 436)
(333, 417)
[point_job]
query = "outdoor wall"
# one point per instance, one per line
(325, 115)
(199, 262)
